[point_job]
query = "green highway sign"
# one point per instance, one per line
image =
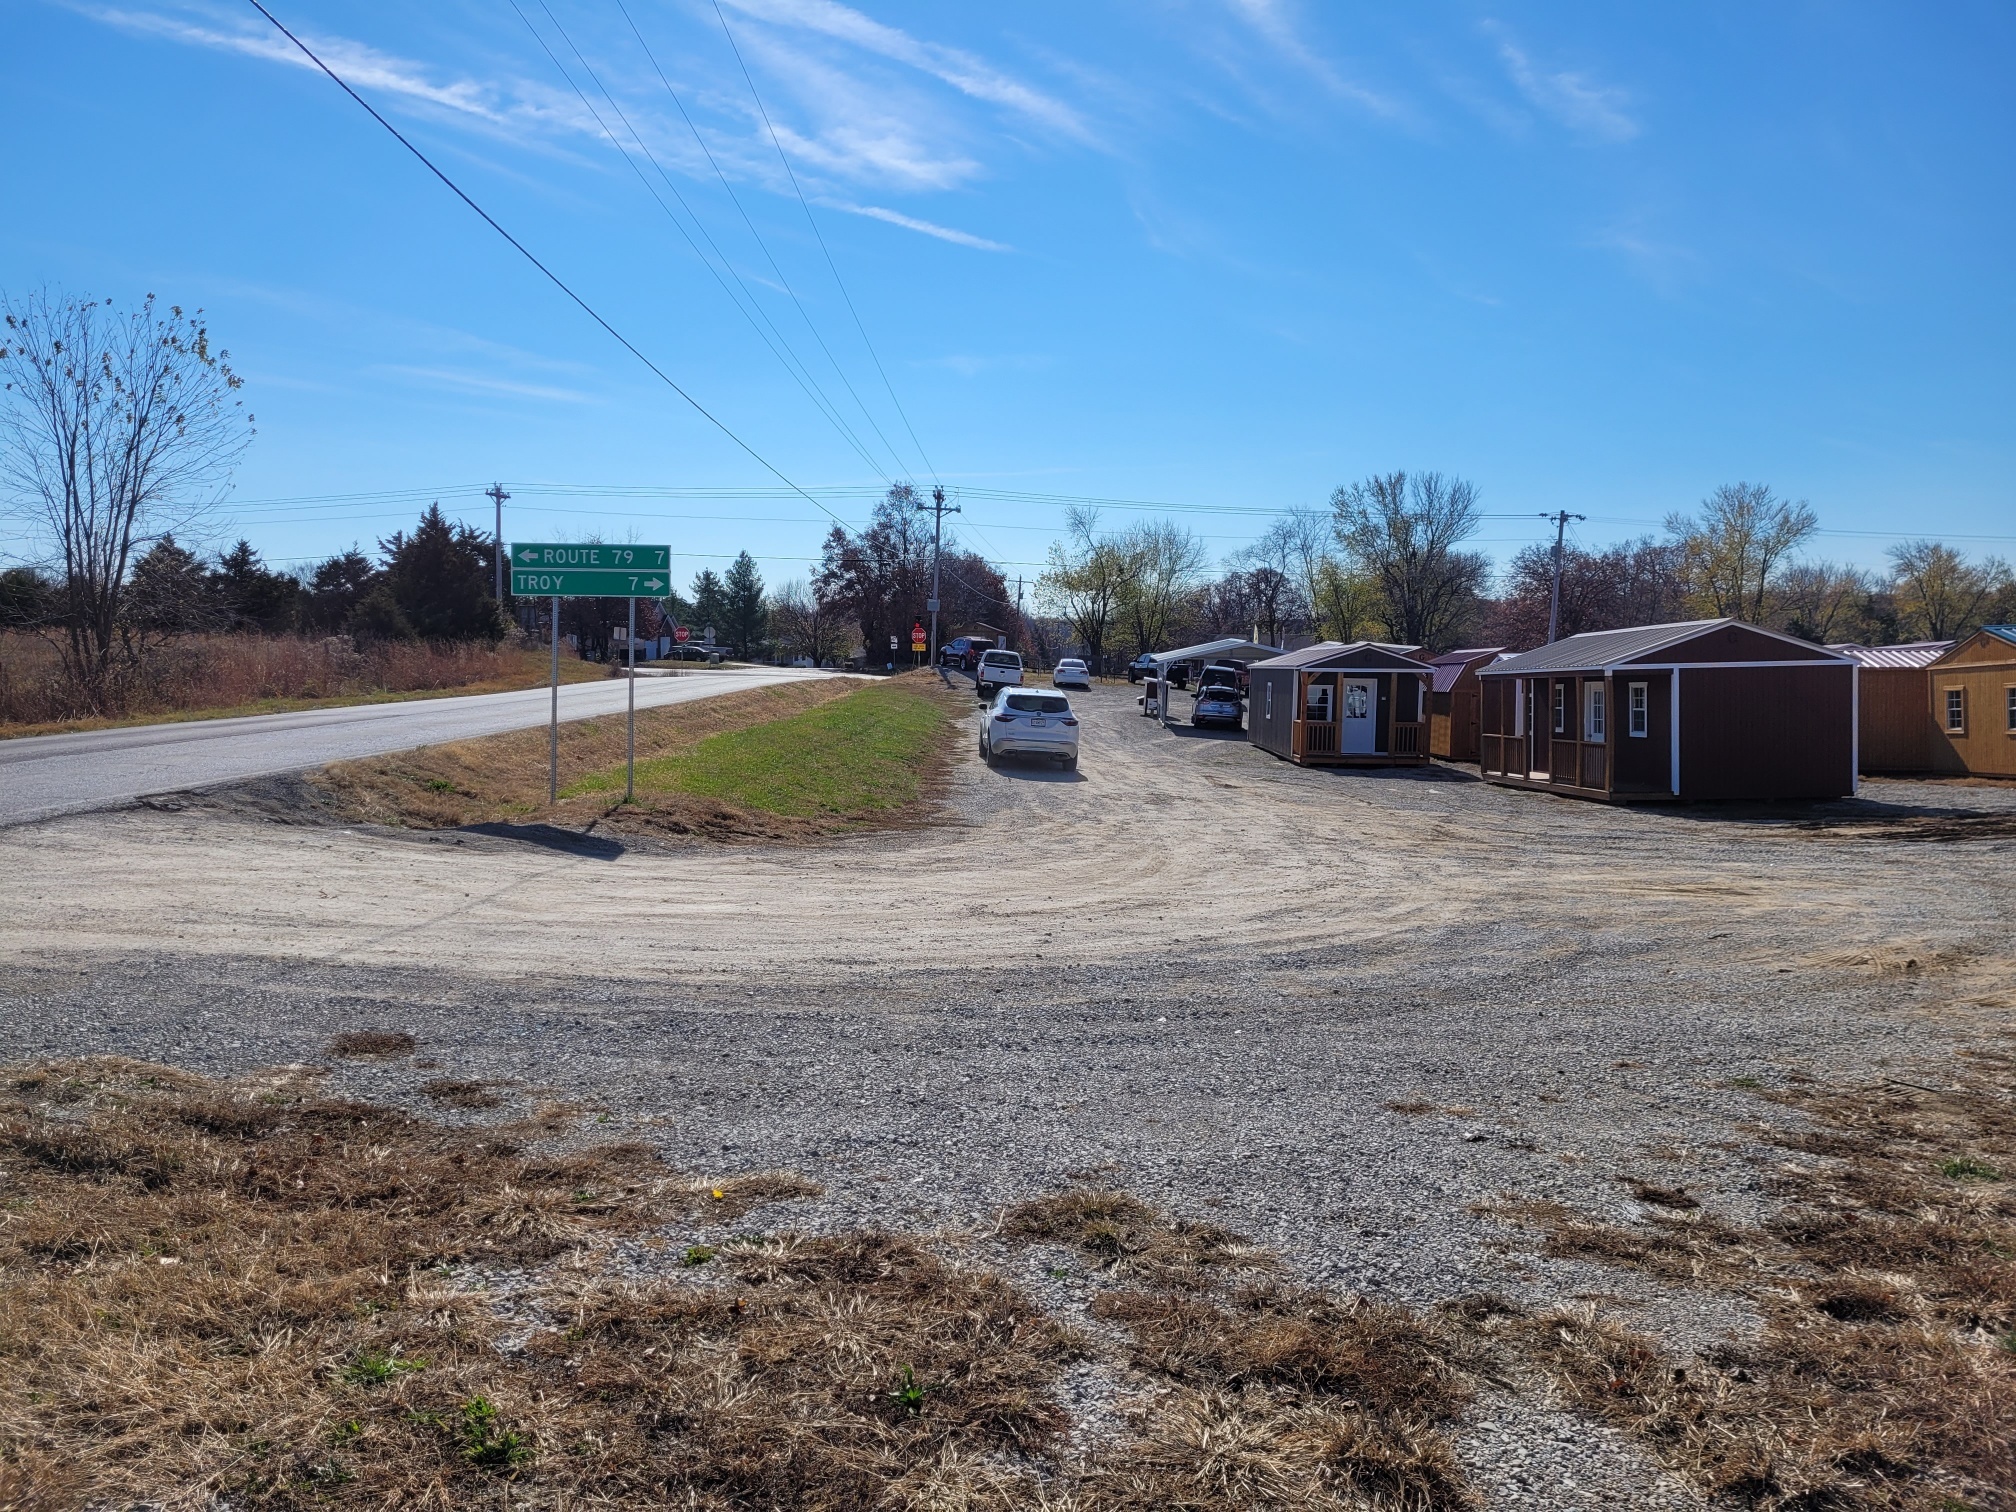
(585, 582)
(562, 555)
(543, 569)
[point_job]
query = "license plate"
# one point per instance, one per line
(1039, 723)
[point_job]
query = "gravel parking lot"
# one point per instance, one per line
(1191, 967)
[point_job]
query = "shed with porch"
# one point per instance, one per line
(1973, 692)
(1893, 709)
(1704, 709)
(1453, 728)
(1340, 705)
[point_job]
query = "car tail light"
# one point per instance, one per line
(1004, 717)
(1067, 719)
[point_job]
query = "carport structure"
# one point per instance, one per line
(1229, 649)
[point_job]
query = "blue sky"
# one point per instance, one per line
(1223, 254)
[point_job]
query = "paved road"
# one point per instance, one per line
(68, 774)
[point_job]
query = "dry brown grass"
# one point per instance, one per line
(502, 778)
(248, 1294)
(1270, 1395)
(1131, 1240)
(373, 1044)
(216, 675)
(1884, 1372)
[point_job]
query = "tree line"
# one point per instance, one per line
(1386, 561)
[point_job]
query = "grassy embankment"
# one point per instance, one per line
(230, 676)
(794, 761)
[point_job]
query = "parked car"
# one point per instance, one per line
(1142, 666)
(1225, 674)
(1071, 672)
(963, 651)
(997, 669)
(1030, 722)
(1218, 704)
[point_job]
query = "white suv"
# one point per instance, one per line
(1030, 722)
(997, 669)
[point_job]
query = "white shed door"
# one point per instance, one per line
(1360, 722)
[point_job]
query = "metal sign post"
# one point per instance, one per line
(563, 569)
(630, 743)
(553, 733)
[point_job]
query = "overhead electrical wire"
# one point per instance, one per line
(801, 374)
(820, 237)
(770, 257)
(552, 277)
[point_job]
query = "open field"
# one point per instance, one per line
(1408, 1037)
(231, 676)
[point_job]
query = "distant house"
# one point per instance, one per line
(1973, 691)
(1697, 710)
(1337, 705)
(1452, 702)
(1893, 708)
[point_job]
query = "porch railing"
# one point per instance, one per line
(1319, 739)
(1406, 739)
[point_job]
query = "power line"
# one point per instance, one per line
(770, 257)
(820, 237)
(554, 278)
(800, 373)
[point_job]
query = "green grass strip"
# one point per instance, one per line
(861, 754)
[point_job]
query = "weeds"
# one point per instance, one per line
(453, 1093)
(1883, 1285)
(909, 1393)
(1124, 1237)
(374, 1367)
(372, 1044)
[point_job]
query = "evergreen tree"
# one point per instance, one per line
(336, 587)
(252, 597)
(169, 593)
(26, 597)
(747, 616)
(710, 604)
(440, 579)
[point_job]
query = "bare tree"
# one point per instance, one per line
(1823, 601)
(1940, 594)
(807, 622)
(1732, 553)
(116, 430)
(1402, 533)
(1086, 582)
(1164, 564)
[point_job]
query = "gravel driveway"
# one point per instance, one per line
(1198, 969)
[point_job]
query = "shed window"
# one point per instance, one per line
(1641, 710)
(1956, 711)
(1270, 698)
(1560, 708)
(1593, 722)
(2011, 694)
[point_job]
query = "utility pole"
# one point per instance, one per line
(1560, 519)
(939, 509)
(496, 491)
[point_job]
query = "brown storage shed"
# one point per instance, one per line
(1698, 710)
(1338, 705)
(1973, 690)
(1893, 707)
(1453, 729)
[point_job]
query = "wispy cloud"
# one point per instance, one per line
(929, 228)
(1665, 265)
(1272, 22)
(970, 75)
(483, 383)
(1573, 99)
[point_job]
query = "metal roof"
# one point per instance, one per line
(1595, 649)
(1244, 650)
(1325, 652)
(1909, 656)
(1450, 665)
(2004, 632)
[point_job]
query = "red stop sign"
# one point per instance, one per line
(681, 633)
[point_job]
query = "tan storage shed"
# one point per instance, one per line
(1973, 692)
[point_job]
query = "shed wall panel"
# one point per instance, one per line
(1273, 732)
(1896, 719)
(1986, 747)
(1767, 732)
(1644, 762)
